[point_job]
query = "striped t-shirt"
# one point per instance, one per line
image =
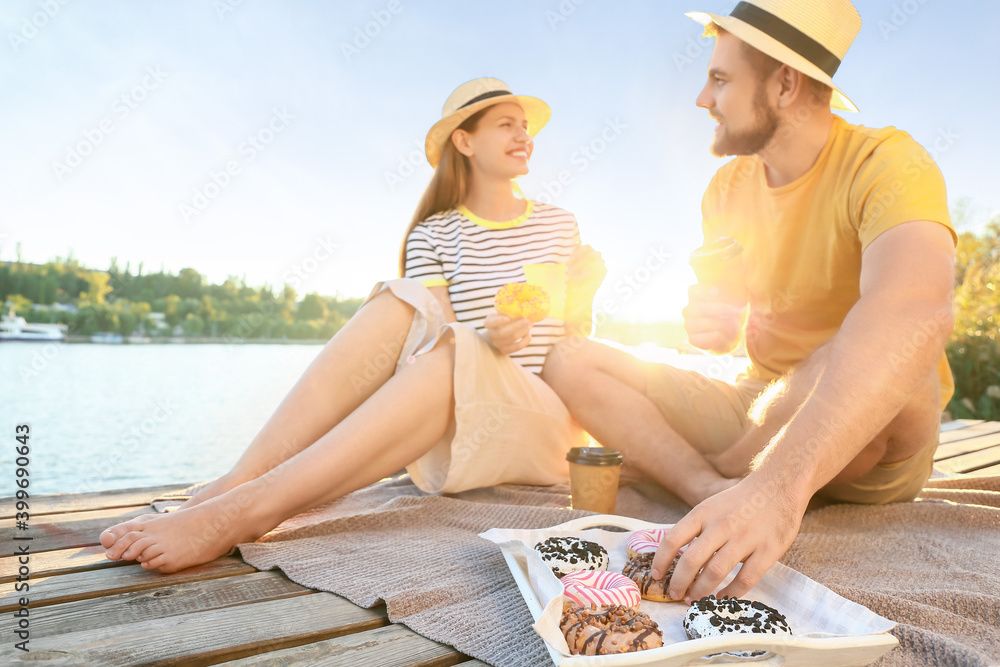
(476, 257)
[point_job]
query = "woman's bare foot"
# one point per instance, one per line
(212, 489)
(175, 541)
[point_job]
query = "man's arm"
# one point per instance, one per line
(890, 341)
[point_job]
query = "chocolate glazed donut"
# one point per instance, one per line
(616, 629)
(639, 570)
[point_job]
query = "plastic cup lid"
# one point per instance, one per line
(595, 456)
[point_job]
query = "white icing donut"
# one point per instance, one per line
(644, 541)
(595, 589)
(570, 554)
(712, 617)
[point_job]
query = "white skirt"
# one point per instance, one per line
(509, 427)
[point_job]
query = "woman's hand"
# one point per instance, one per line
(507, 335)
(585, 271)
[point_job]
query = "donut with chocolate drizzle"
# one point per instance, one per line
(616, 629)
(639, 570)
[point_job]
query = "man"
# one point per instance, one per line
(848, 254)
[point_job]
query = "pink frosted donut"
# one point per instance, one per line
(644, 541)
(600, 588)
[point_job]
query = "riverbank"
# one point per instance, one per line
(202, 340)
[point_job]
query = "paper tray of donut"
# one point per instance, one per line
(786, 619)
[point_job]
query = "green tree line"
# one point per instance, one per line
(121, 301)
(974, 348)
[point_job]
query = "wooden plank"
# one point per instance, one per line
(392, 646)
(982, 428)
(950, 449)
(62, 561)
(959, 424)
(96, 583)
(73, 502)
(69, 530)
(204, 638)
(171, 600)
(990, 470)
(971, 461)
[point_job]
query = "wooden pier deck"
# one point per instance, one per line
(86, 610)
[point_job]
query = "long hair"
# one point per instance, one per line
(448, 185)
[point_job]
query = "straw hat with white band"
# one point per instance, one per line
(475, 96)
(811, 36)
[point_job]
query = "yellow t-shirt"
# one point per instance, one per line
(802, 242)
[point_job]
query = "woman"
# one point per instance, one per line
(463, 406)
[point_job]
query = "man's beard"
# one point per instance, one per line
(753, 140)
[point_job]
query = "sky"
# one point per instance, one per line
(283, 142)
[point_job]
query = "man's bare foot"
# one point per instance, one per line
(718, 486)
(175, 541)
(631, 475)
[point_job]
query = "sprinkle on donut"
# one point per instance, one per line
(711, 617)
(614, 630)
(517, 300)
(595, 589)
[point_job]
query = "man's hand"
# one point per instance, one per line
(507, 335)
(711, 323)
(753, 522)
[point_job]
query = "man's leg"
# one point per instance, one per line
(769, 413)
(912, 430)
(606, 392)
(895, 465)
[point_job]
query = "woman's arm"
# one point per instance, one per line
(441, 294)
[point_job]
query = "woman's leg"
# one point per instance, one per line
(350, 367)
(401, 421)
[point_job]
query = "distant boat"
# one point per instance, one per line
(14, 327)
(138, 338)
(106, 337)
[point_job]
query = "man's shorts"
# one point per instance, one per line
(712, 415)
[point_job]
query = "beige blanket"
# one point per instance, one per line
(933, 565)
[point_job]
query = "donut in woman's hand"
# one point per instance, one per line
(616, 629)
(639, 570)
(571, 554)
(597, 589)
(517, 300)
(711, 617)
(644, 541)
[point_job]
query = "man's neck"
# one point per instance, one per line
(493, 200)
(795, 147)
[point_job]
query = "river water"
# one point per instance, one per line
(120, 416)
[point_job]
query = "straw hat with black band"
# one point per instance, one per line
(811, 36)
(475, 96)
